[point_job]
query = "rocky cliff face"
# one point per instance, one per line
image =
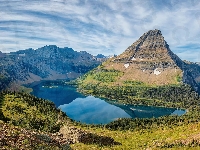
(151, 47)
(48, 62)
(191, 75)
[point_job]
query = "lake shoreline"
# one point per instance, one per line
(75, 104)
(68, 83)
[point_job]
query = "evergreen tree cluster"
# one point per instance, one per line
(181, 96)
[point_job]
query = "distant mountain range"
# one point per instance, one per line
(45, 63)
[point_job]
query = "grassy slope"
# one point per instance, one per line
(157, 138)
(136, 71)
(110, 76)
(108, 84)
(28, 111)
(30, 122)
(112, 73)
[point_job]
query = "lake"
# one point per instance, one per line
(92, 110)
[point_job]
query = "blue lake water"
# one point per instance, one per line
(92, 110)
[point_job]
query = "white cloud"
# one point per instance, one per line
(98, 26)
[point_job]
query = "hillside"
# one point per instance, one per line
(14, 137)
(46, 63)
(150, 60)
(27, 122)
(147, 72)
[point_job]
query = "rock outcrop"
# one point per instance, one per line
(75, 135)
(14, 137)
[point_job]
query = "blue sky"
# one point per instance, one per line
(99, 26)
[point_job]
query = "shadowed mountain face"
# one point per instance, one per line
(48, 62)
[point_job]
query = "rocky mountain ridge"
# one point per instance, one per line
(46, 63)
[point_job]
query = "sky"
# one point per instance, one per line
(99, 26)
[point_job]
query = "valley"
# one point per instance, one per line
(145, 98)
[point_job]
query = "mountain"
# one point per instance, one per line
(150, 60)
(46, 63)
(147, 69)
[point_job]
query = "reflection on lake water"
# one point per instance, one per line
(58, 94)
(93, 110)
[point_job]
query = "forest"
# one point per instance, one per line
(178, 96)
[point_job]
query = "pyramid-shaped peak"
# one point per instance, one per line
(151, 46)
